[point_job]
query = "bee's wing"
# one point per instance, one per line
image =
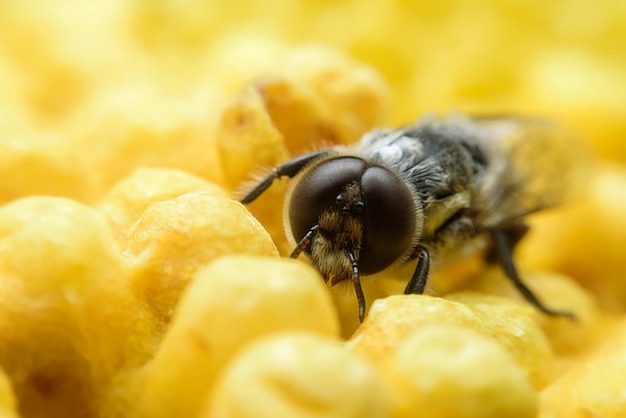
(533, 165)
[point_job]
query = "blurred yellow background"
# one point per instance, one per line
(563, 59)
(91, 90)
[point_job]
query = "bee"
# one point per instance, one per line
(424, 191)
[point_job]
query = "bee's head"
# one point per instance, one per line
(359, 208)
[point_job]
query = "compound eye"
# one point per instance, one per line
(392, 219)
(318, 189)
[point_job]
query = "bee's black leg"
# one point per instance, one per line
(512, 234)
(502, 248)
(305, 242)
(288, 169)
(418, 282)
(356, 281)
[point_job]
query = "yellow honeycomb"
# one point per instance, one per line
(134, 284)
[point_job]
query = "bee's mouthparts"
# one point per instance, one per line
(333, 279)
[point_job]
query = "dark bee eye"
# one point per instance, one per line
(318, 189)
(391, 210)
(391, 213)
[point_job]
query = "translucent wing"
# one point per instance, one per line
(531, 165)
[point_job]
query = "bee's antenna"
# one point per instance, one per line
(356, 281)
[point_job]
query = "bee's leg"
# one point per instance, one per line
(501, 246)
(305, 242)
(289, 169)
(356, 281)
(418, 282)
(513, 235)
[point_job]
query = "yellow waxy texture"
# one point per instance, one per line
(395, 318)
(135, 126)
(130, 197)
(569, 339)
(449, 371)
(298, 375)
(174, 238)
(229, 304)
(41, 163)
(318, 98)
(585, 238)
(68, 320)
(247, 137)
(323, 98)
(592, 387)
(8, 404)
(130, 277)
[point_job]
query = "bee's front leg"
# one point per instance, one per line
(288, 169)
(418, 282)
